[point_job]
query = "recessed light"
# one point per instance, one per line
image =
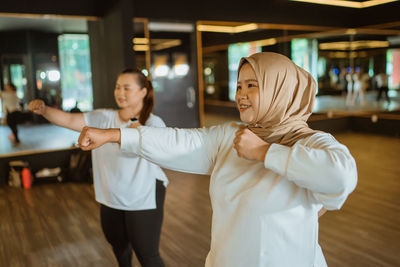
(345, 3)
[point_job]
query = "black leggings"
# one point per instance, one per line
(13, 119)
(139, 230)
(383, 89)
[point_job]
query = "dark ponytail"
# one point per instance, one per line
(13, 87)
(148, 100)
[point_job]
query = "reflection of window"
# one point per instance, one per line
(18, 78)
(235, 53)
(393, 68)
(305, 55)
(76, 75)
(321, 67)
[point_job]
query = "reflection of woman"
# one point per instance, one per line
(12, 109)
(343, 80)
(130, 190)
(382, 80)
(350, 89)
(360, 86)
(269, 176)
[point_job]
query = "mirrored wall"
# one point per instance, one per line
(335, 57)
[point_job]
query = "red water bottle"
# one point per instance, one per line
(26, 178)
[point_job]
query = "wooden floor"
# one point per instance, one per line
(366, 231)
(58, 224)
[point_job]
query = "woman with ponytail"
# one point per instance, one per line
(130, 189)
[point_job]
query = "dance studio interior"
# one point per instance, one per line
(69, 53)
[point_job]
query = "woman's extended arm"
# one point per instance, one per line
(73, 121)
(186, 150)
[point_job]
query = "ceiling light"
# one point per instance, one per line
(347, 55)
(351, 31)
(140, 40)
(228, 29)
(265, 42)
(356, 45)
(53, 75)
(344, 3)
(168, 43)
(246, 28)
(141, 47)
(170, 27)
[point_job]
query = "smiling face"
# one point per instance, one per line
(247, 94)
(128, 93)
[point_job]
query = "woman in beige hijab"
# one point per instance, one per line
(270, 175)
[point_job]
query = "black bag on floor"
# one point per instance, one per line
(80, 166)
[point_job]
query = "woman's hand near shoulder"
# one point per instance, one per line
(249, 146)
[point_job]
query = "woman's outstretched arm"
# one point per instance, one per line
(186, 150)
(73, 121)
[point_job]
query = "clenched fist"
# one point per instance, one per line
(249, 146)
(91, 138)
(37, 106)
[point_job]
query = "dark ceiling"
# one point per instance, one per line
(269, 11)
(260, 11)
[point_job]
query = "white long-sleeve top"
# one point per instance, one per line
(264, 214)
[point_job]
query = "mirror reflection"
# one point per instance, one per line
(348, 64)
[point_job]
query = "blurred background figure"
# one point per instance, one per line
(382, 80)
(12, 109)
(343, 80)
(360, 85)
(349, 79)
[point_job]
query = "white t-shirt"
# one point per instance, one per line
(382, 79)
(264, 214)
(361, 81)
(122, 180)
(10, 102)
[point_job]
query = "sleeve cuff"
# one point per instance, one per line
(277, 159)
(86, 118)
(130, 140)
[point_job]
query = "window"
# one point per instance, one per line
(76, 75)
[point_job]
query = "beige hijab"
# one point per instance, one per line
(287, 94)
